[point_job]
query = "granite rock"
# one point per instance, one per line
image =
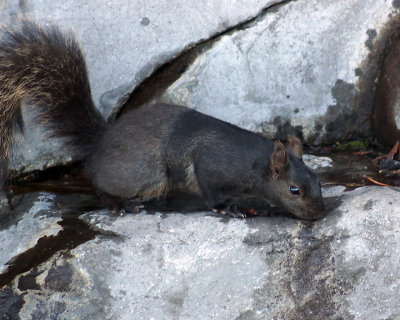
(156, 265)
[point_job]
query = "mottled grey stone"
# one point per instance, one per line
(204, 266)
(302, 67)
(296, 68)
(35, 150)
(291, 71)
(124, 42)
(28, 222)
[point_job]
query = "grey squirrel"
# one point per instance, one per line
(151, 151)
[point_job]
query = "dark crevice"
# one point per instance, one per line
(46, 174)
(63, 179)
(74, 233)
(386, 96)
(154, 85)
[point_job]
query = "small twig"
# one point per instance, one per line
(348, 185)
(377, 182)
(361, 153)
(388, 156)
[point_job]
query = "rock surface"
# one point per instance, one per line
(303, 68)
(155, 265)
(124, 43)
(386, 109)
(276, 67)
(63, 258)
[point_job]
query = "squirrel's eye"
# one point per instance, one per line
(294, 190)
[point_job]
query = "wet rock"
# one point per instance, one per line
(204, 266)
(31, 219)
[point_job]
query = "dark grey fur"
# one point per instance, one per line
(150, 151)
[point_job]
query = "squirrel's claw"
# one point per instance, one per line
(118, 212)
(234, 211)
(138, 208)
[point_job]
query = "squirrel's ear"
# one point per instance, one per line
(295, 147)
(278, 160)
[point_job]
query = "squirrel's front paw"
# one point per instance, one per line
(121, 212)
(236, 211)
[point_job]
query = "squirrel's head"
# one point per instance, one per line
(293, 185)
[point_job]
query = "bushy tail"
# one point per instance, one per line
(45, 69)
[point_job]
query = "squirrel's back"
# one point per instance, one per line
(45, 69)
(147, 152)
